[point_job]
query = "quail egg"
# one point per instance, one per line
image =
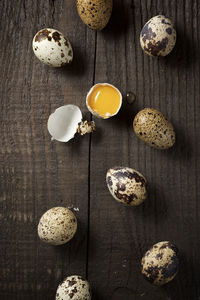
(160, 263)
(52, 48)
(57, 226)
(152, 127)
(73, 287)
(126, 185)
(158, 36)
(95, 13)
(104, 100)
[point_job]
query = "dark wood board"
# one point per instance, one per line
(37, 174)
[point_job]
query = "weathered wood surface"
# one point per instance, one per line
(37, 174)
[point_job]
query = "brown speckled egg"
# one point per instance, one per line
(52, 48)
(160, 263)
(95, 13)
(73, 288)
(158, 36)
(126, 185)
(57, 226)
(152, 127)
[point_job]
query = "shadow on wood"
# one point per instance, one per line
(182, 149)
(185, 53)
(78, 67)
(118, 23)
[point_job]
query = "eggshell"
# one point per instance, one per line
(152, 127)
(95, 13)
(73, 288)
(158, 36)
(160, 263)
(63, 122)
(95, 113)
(126, 185)
(52, 48)
(57, 226)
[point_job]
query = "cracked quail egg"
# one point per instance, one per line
(66, 121)
(57, 226)
(126, 185)
(160, 263)
(104, 100)
(151, 126)
(73, 287)
(52, 48)
(95, 13)
(158, 36)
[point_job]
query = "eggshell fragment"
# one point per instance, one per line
(57, 226)
(52, 48)
(126, 185)
(93, 111)
(158, 36)
(151, 126)
(63, 123)
(95, 13)
(160, 263)
(73, 288)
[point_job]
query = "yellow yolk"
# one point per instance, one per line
(105, 100)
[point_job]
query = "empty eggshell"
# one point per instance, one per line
(95, 13)
(160, 263)
(158, 36)
(151, 126)
(63, 123)
(126, 185)
(52, 48)
(66, 121)
(73, 288)
(57, 226)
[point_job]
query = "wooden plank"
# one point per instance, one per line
(37, 174)
(120, 235)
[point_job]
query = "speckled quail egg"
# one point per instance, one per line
(57, 226)
(152, 127)
(158, 36)
(73, 288)
(52, 48)
(95, 13)
(126, 185)
(160, 263)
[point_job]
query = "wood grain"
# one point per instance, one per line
(119, 236)
(37, 174)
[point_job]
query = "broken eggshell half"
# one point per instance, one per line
(104, 97)
(66, 121)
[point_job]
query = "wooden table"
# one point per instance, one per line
(37, 174)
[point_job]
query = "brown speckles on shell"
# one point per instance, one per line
(73, 287)
(158, 36)
(152, 127)
(52, 48)
(96, 13)
(126, 185)
(42, 35)
(160, 263)
(55, 226)
(56, 36)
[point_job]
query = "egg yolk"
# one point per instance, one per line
(105, 100)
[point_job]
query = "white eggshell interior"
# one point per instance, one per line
(63, 123)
